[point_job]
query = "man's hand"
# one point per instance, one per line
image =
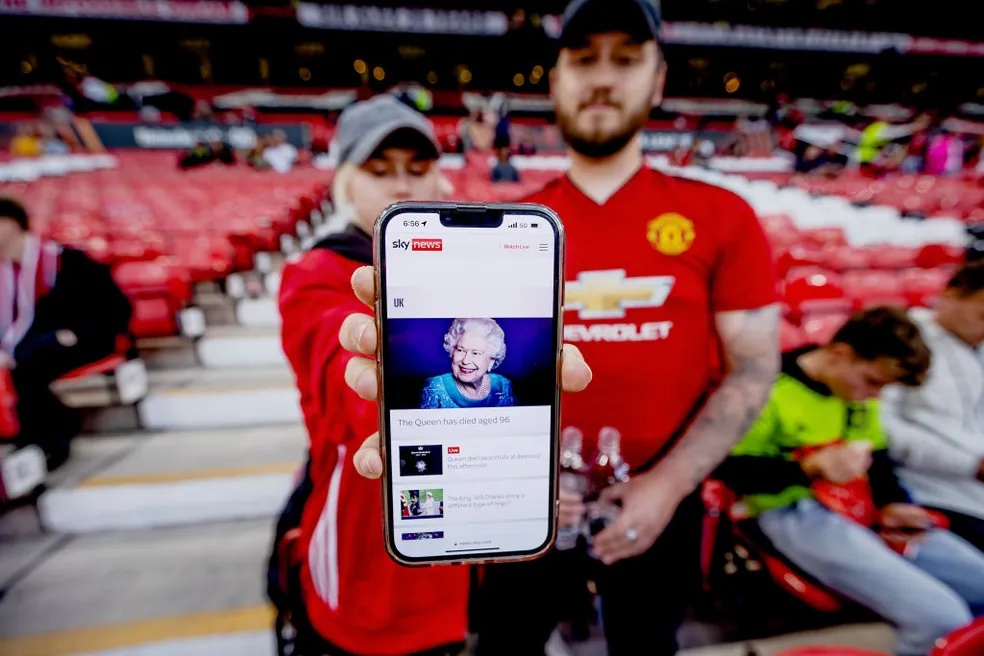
(980, 472)
(839, 464)
(905, 515)
(648, 503)
(6, 362)
(358, 335)
(571, 510)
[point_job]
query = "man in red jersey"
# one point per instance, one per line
(671, 298)
(666, 278)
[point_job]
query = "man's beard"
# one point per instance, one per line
(597, 145)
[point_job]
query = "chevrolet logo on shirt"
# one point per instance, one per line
(607, 294)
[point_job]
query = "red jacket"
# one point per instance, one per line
(357, 598)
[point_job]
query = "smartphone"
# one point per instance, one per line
(469, 314)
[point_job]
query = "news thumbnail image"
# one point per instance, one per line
(469, 363)
(421, 460)
(423, 535)
(421, 504)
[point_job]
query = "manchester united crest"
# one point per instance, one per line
(671, 233)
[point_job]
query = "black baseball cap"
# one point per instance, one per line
(639, 18)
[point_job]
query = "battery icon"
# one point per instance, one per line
(534, 225)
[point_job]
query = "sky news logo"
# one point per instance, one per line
(419, 244)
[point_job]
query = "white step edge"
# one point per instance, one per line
(258, 313)
(240, 351)
(196, 408)
(136, 507)
(245, 643)
(272, 283)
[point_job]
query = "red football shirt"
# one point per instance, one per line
(646, 272)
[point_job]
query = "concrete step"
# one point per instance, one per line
(220, 398)
(218, 308)
(116, 593)
(240, 346)
(271, 282)
(165, 479)
(258, 313)
(168, 352)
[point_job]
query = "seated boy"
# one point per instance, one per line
(821, 423)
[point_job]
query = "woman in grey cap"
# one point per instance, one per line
(387, 152)
(346, 596)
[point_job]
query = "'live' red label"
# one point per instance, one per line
(454, 449)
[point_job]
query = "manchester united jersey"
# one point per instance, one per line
(646, 272)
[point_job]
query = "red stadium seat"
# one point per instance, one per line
(720, 501)
(922, 286)
(106, 365)
(830, 236)
(157, 293)
(871, 288)
(968, 641)
(208, 222)
(892, 257)
(820, 328)
(791, 337)
(816, 294)
(843, 258)
(931, 256)
(798, 255)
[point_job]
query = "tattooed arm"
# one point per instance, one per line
(649, 500)
(751, 348)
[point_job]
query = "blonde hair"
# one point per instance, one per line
(344, 212)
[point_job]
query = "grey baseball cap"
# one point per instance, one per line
(640, 18)
(363, 127)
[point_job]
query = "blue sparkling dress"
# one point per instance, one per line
(442, 392)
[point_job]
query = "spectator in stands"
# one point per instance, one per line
(353, 597)
(504, 171)
(754, 137)
(59, 311)
(821, 424)
(279, 153)
(679, 408)
(26, 142)
(937, 429)
(207, 153)
(527, 146)
(255, 155)
(51, 143)
(873, 138)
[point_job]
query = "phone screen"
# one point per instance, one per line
(469, 320)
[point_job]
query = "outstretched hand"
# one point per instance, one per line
(358, 335)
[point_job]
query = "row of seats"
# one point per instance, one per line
(960, 197)
(162, 229)
(836, 253)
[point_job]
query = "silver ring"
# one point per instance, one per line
(631, 535)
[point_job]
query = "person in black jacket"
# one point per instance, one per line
(59, 310)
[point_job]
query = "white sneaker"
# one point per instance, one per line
(21, 472)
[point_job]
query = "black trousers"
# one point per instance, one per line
(643, 600)
(968, 527)
(44, 419)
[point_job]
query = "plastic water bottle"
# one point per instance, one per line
(607, 469)
(573, 478)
